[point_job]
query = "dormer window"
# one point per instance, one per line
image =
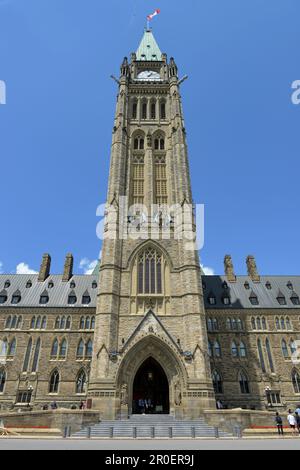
(254, 299)
(28, 284)
(44, 299)
(268, 285)
(86, 299)
(3, 297)
(226, 300)
(203, 285)
(50, 285)
(212, 300)
(72, 299)
(247, 285)
(7, 284)
(289, 285)
(295, 299)
(225, 285)
(16, 298)
(94, 285)
(281, 299)
(72, 285)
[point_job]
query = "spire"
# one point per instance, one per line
(148, 49)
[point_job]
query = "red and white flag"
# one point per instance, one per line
(150, 17)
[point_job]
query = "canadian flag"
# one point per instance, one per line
(150, 17)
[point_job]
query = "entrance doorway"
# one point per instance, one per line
(151, 389)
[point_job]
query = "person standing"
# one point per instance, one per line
(292, 421)
(297, 417)
(279, 425)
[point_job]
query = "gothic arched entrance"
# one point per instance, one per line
(150, 389)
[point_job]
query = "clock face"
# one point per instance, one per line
(148, 75)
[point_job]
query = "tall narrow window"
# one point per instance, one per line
(2, 380)
(269, 353)
(217, 349)
(284, 349)
(89, 349)
(134, 110)
(153, 110)
(296, 381)
(144, 110)
(150, 272)
(243, 350)
(63, 349)
(161, 191)
(54, 350)
(3, 349)
(81, 382)
(36, 356)
(138, 179)
(12, 348)
(54, 382)
(80, 350)
(163, 110)
(244, 383)
(217, 382)
(93, 323)
(234, 350)
(293, 347)
(261, 356)
(27, 356)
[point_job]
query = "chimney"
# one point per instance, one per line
(68, 268)
(45, 268)
(229, 270)
(252, 269)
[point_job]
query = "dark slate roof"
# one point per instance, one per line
(58, 295)
(239, 295)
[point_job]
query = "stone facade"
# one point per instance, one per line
(73, 338)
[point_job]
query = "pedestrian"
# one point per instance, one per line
(297, 410)
(219, 405)
(297, 416)
(292, 421)
(279, 425)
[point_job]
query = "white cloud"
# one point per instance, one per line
(1, 267)
(207, 270)
(24, 268)
(88, 266)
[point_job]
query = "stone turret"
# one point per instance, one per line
(68, 268)
(229, 269)
(252, 269)
(45, 268)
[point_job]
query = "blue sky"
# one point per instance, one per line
(56, 57)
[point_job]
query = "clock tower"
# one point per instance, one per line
(150, 344)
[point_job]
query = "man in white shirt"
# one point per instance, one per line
(292, 421)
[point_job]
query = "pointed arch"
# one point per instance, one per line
(2, 379)
(54, 382)
(8, 323)
(36, 355)
(80, 349)
(243, 382)
(243, 350)
(284, 348)
(89, 349)
(54, 349)
(3, 349)
(81, 382)
(27, 356)
(63, 349)
(296, 381)
(12, 348)
(217, 382)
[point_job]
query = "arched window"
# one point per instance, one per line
(54, 350)
(239, 324)
(209, 324)
(68, 324)
(27, 356)
(234, 349)
(134, 110)
(63, 349)
(253, 323)
(19, 324)
(144, 109)
(150, 272)
(8, 323)
(258, 323)
(217, 349)
(72, 299)
(217, 382)
(44, 323)
(210, 349)
(80, 350)
(153, 110)
(162, 110)
(244, 383)
(57, 323)
(234, 324)
(3, 297)
(139, 143)
(81, 382)
(12, 348)
(54, 382)
(261, 356)
(243, 350)
(3, 349)
(93, 323)
(89, 349)
(288, 323)
(36, 355)
(277, 323)
(215, 324)
(63, 323)
(269, 353)
(293, 347)
(14, 322)
(82, 323)
(264, 323)
(282, 323)
(284, 349)
(2, 380)
(296, 381)
(87, 323)
(229, 324)
(38, 323)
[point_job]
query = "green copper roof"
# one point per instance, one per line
(148, 48)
